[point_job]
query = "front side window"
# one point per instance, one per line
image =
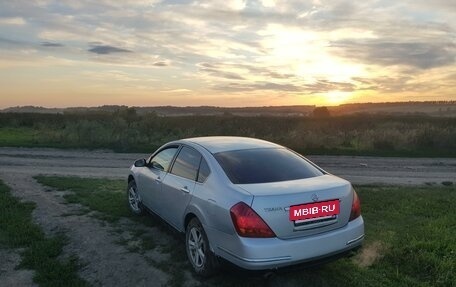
(162, 160)
(265, 165)
(187, 163)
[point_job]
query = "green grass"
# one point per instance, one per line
(105, 196)
(414, 226)
(419, 229)
(17, 137)
(40, 253)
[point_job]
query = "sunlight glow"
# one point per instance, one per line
(307, 54)
(337, 97)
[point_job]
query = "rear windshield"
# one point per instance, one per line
(265, 165)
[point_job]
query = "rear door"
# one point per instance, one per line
(178, 186)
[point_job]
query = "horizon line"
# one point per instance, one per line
(236, 107)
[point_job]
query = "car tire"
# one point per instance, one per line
(134, 201)
(202, 259)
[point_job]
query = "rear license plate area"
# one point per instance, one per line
(317, 211)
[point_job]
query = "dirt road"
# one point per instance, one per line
(359, 170)
(106, 262)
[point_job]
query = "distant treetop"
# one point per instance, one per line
(321, 112)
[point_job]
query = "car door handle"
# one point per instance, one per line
(158, 180)
(185, 189)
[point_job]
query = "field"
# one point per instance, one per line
(78, 231)
(409, 238)
(125, 130)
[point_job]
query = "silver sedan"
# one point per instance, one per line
(254, 203)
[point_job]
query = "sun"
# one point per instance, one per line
(336, 97)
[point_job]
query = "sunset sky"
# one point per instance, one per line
(225, 53)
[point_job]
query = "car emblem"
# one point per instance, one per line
(314, 197)
(273, 209)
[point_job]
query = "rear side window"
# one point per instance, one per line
(204, 171)
(265, 165)
(187, 163)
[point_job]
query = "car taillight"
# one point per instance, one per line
(248, 223)
(356, 207)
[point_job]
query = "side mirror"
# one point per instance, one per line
(140, 163)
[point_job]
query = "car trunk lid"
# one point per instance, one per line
(272, 201)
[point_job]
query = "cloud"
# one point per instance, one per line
(218, 70)
(418, 83)
(105, 50)
(177, 91)
(51, 44)
(242, 71)
(259, 86)
(276, 75)
(318, 87)
(161, 64)
(422, 55)
(116, 75)
(234, 5)
(7, 41)
(322, 86)
(268, 3)
(222, 74)
(14, 21)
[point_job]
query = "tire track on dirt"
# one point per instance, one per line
(9, 275)
(105, 262)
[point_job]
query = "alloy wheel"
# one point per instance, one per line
(196, 246)
(133, 199)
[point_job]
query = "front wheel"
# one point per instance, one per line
(204, 262)
(134, 201)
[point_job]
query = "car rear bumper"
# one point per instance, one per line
(270, 253)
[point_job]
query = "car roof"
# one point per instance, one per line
(217, 144)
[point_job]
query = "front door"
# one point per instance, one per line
(151, 178)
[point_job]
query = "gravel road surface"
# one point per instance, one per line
(357, 169)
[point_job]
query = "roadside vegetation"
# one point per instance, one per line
(38, 252)
(409, 238)
(126, 131)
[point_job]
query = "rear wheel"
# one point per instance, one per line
(204, 262)
(134, 201)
